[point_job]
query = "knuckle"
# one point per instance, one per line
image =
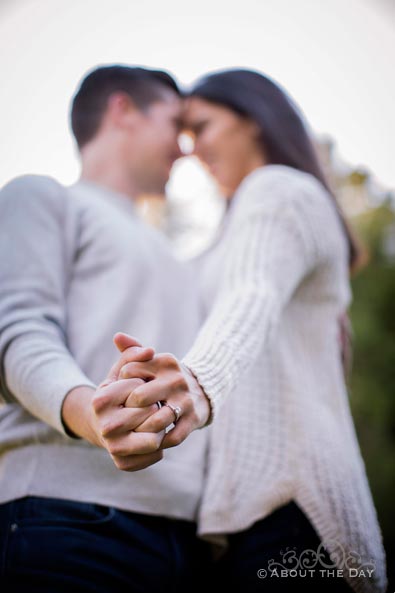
(137, 399)
(179, 383)
(129, 354)
(169, 361)
(114, 449)
(129, 402)
(110, 427)
(100, 401)
(142, 463)
(175, 438)
(125, 371)
(159, 455)
(150, 425)
(156, 424)
(119, 462)
(153, 442)
(187, 405)
(131, 467)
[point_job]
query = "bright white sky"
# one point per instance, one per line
(335, 57)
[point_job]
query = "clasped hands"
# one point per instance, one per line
(128, 421)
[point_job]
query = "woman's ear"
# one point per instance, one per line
(255, 129)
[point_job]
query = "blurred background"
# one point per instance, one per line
(335, 58)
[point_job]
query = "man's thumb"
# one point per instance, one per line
(137, 353)
(123, 341)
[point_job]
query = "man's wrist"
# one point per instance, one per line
(78, 415)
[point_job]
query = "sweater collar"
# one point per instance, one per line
(119, 200)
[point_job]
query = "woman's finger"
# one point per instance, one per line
(178, 435)
(158, 421)
(146, 394)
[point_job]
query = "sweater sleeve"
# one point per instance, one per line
(271, 249)
(36, 368)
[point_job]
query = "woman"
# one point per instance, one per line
(285, 473)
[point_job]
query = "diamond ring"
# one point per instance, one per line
(175, 409)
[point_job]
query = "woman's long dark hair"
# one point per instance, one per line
(285, 139)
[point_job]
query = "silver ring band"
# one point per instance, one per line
(177, 411)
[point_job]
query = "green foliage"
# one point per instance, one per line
(372, 385)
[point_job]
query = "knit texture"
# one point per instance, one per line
(268, 358)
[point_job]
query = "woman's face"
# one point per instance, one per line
(225, 142)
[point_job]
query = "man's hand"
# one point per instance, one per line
(102, 418)
(166, 379)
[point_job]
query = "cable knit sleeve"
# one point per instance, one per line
(271, 248)
(36, 368)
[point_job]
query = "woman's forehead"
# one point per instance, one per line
(196, 109)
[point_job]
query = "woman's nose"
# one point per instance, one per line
(178, 152)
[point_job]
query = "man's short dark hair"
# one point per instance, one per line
(144, 86)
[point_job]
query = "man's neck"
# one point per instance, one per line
(108, 172)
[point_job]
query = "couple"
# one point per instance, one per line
(235, 386)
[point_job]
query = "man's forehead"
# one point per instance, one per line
(170, 98)
(169, 104)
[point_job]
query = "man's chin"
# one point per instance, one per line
(155, 187)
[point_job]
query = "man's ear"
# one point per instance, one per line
(121, 110)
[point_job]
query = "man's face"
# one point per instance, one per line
(155, 143)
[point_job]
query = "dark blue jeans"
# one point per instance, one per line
(245, 566)
(57, 546)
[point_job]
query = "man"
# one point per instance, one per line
(76, 265)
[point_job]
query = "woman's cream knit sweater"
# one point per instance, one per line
(268, 358)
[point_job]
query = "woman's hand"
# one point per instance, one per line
(184, 403)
